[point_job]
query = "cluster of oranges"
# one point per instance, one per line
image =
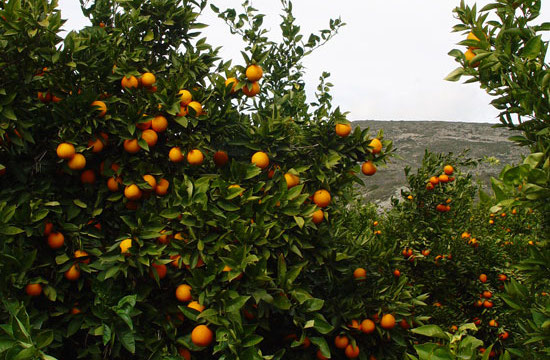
(444, 178)
(253, 74)
(469, 55)
(368, 168)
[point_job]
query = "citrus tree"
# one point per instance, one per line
(158, 202)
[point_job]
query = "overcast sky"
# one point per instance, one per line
(387, 63)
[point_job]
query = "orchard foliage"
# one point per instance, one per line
(132, 164)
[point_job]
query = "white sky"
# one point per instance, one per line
(387, 63)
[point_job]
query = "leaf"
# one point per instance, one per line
(430, 331)
(150, 36)
(252, 340)
(127, 340)
(321, 324)
(10, 230)
(532, 48)
(80, 203)
(455, 74)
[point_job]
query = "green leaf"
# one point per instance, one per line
(533, 48)
(150, 36)
(127, 339)
(10, 230)
(251, 340)
(430, 331)
(455, 74)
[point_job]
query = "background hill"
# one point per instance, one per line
(412, 137)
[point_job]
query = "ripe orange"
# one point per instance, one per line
(131, 146)
(448, 170)
(196, 106)
(429, 186)
(502, 277)
(260, 159)
(65, 151)
(368, 326)
(202, 335)
(82, 254)
(483, 278)
(396, 273)
(355, 325)
(443, 178)
(195, 157)
(195, 305)
(233, 81)
(322, 198)
(125, 245)
(254, 73)
(368, 168)
(73, 273)
(471, 36)
(220, 158)
(183, 111)
(150, 137)
(253, 90)
(112, 183)
(160, 269)
(184, 353)
(341, 341)
(185, 97)
(503, 335)
(434, 180)
(132, 192)
(360, 274)
(33, 289)
(129, 82)
(48, 227)
(162, 187)
(487, 304)
(159, 123)
(493, 323)
(87, 177)
(148, 79)
(96, 145)
(100, 106)
(75, 311)
(150, 179)
(343, 130)
(56, 240)
(376, 146)
(469, 55)
(291, 180)
(352, 351)
(387, 322)
(487, 294)
(78, 162)
(183, 293)
(175, 155)
(318, 216)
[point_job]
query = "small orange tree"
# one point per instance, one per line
(156, 201)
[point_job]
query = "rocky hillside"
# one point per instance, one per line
(412, 137)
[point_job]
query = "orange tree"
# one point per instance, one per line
(157, 202)
(506, 54)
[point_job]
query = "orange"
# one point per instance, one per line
(471, 36)
(162, 187)
(434, 180)
(33, 289)
(502, 277)
(404, 324)
(233, 82)
(343, 130)
(183, 111)
(125, 245)
(360, 274)
(159, 123)
(443, 178)
(320, 355)
(368, 168)
(429, 186)
(132, 192)
(186, 97)
(112, 183)
(503, 336)
(131, 146)
(493, 323)
(195, 157)
(469, 55)
(448, 170)
(376, 146)
(352, 351)
(396, 273)
(148, 79)
(82, 254)
(175, 155)
(100, 107)
(184, 353)
(487, 294)
(318, 216)
(202, 336)
(341, 341)
(96, 145)
(78, 162)
(183, 292)
(483, 278)
(65, 151)
(195, 305)
(87, 177)
(75, 311)
(73, 273)
(56, 240)
(150, 179)
(387, 322)
(487, 304)
(150, 137)
(160, 269)
(48, 227)
(260, 159)
(44, 97)
(254, 73)
(368, 326)
(129, 82)
(220, 158)
(253, 90)
(196, 106)
(291, 180)
(144, 125)
(321, 198)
